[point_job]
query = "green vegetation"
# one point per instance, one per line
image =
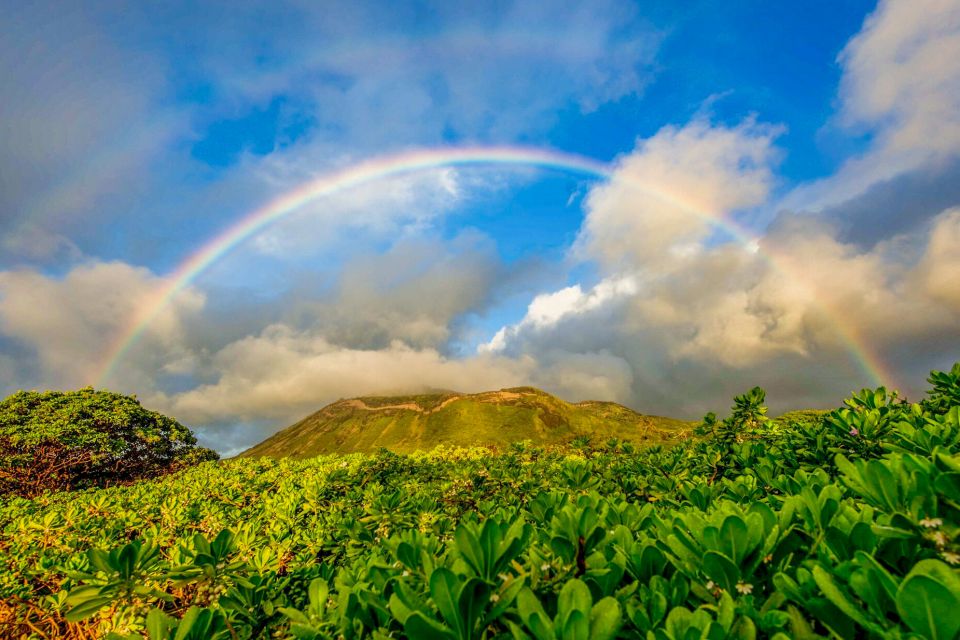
(404, 424)
(843, 525)
(56, 441)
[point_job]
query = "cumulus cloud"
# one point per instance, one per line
(900, 75)
(382, 328)
(820, 299)
(547, 309)
(661, 199)
(307, 371)
(728, 319)
(687, 314)
(415, 292)
(68, 323)
(938, 273)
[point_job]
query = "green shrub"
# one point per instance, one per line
(62, 440)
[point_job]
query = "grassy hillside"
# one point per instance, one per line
(404, 424)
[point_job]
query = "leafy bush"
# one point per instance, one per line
(846, 526)
(61, 440)
(946, 390)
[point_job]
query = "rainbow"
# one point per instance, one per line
(408, 162)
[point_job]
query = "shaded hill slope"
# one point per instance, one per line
(420, 422)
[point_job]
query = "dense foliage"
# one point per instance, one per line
(62, 440)
(842, 525)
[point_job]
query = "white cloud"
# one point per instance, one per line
(575, 376)
(662, 197)
(306, 371)
(70, 322)
(901, 76)
(416, 292)
(548, 309)
(401, 205)
(730, 315)
(938, 273)
(405, 81)
(901, 84)
(796, 303)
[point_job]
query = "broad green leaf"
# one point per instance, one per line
(576, 626)
(474, 596)
(721, 570)
(575, 596)
(87, 608)
(605, 619)
(420, 626)
(834, 594)
(158, 625)
(929, 598)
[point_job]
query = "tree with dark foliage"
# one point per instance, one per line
(54, 441)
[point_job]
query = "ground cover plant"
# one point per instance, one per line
(836, 525)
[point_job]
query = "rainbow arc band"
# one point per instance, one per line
(388, 166)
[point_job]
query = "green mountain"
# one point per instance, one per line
(421, 422)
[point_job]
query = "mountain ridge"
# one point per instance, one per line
(407, 423)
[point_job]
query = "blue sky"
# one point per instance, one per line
(135, 135)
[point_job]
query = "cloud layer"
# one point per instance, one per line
(669, 296)
(899, 86)
(68, 323)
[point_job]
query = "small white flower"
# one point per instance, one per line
(495, 598)
(951, 557)
(931, 523)
(406, 573)
(744, 588)
(545, 567)
(939, 539)
(711, 585)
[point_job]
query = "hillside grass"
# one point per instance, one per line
(404, 424)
